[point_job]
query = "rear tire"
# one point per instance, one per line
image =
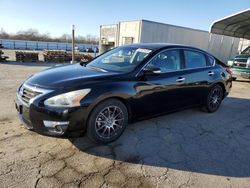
(214, 99)
(107, 121)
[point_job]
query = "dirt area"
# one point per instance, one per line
(184, 149)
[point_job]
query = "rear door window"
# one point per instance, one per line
(210, 61)
(194, 59)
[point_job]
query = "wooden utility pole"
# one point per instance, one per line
(73, 44)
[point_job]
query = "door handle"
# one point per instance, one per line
(210, 73)
(180, 79)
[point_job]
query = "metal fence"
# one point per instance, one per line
(40, 45)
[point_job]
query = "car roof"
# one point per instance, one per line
(157, 46)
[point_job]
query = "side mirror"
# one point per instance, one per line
(84, 63)
(151, 71)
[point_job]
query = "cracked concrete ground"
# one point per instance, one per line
(184, 149)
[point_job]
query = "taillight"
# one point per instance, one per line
(229, 71)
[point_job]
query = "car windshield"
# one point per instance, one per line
(246, 51)
(121, 59)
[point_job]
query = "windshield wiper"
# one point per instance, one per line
(97, 68)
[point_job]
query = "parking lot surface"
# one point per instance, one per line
(190, 148)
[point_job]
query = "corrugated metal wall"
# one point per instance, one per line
(223, 47)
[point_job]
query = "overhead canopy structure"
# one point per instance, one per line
(236, 25)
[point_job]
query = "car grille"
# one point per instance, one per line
(241, 60)
(240, 64)
(26, 94)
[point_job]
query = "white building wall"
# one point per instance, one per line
(129, 29)
(108, 37)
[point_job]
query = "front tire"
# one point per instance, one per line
(107, 121)
(214, 99)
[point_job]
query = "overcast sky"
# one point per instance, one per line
(56, 16)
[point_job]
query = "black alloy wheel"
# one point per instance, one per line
(214, 99)
(107, 121)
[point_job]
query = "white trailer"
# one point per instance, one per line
(144, 31)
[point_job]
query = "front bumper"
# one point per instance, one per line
(51, 121)
(241, 72)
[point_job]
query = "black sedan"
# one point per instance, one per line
(127, 83)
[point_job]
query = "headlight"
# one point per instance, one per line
(69, 99)
(248, 62)
(230, 62)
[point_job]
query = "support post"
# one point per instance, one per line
(73, 43)
(242, 43)
(231, 50)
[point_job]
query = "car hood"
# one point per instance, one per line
(66, 76)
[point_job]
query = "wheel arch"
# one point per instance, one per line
(223, 87)
(121, 99)
(126, 103)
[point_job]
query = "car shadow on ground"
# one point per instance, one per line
(190, 140)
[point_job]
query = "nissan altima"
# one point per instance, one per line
(125, 84)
